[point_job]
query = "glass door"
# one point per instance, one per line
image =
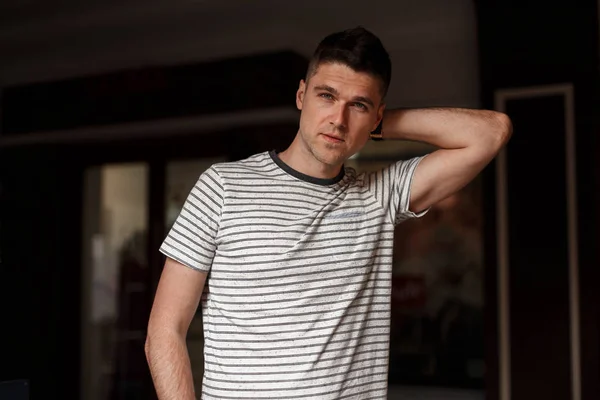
(116, 282)
(118, 278)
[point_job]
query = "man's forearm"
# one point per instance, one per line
(447, 128)
(169, 363)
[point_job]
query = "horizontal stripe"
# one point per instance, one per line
(316, 381)
(381, 396)
(302, 340)
(235, 317)
(337, 283)
(306, 324)
(263, 349)
(300, 352)
(323, 223)
(312, 394)
(281, 306)
(299, 294)
(278, 258)
(321, 234)
(298, 362)
(241, 271)
(274, 279)
(273, 336)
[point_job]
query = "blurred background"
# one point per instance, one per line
(109, 112)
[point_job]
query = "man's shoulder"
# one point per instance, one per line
(383, 167)
(254, 163)
(255, 160)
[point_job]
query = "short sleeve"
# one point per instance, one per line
(192, 239)
(391, 186)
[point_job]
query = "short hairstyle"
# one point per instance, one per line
(356, 48)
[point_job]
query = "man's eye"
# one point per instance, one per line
(326, 96)
(360, 105)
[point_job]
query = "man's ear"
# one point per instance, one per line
(380, 111)
(300, 94)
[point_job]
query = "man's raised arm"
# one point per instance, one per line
(467, 140)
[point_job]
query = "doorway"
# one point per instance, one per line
(130, 201)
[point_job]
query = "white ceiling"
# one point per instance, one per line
(50, 39)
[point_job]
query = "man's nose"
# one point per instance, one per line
(339, 117)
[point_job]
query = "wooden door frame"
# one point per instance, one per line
(501, 97)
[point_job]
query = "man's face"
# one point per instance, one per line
(340, 107)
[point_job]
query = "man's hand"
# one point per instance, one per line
(467, 140)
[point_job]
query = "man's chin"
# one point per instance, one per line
(333, 160)
(329, 155)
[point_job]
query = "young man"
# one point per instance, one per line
(294, 251)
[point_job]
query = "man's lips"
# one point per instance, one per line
(332, 138)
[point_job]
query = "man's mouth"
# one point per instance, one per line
(332, 138)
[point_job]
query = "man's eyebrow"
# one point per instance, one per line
(327, 88)
(331, 90)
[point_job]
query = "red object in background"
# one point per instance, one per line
(408, 291)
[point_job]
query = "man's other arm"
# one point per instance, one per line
(177, 297)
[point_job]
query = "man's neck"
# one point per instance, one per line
(298, 157)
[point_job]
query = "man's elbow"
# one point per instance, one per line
(159, 337)
(153, 340)
(495, 133)
(502, 129)
(148, 347)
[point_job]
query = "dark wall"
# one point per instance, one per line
(528, 44)
(40, 242)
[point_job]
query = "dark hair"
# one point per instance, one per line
(357, 48)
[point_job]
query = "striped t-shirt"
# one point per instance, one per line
(297, 298)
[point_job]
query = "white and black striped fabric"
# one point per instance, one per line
(297, 299)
